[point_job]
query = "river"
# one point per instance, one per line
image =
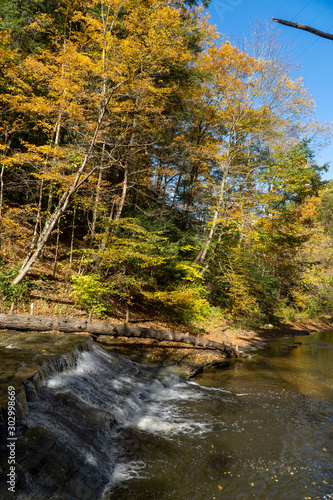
(113, 429)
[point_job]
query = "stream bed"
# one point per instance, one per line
(257, 429)
(108, 428)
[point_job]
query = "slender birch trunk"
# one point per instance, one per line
(97, 195)
(105, 239)
(125, 182)
(72, 239)
(200, 258)
(37, 224)
(56, 250)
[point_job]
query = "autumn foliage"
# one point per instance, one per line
(175, 167)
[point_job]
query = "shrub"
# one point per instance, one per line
(186, 303)
(10, 292)
(91, 293)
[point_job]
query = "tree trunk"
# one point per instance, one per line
(1, 188)
(200, 259)
(123, 193)
(97, 328)
(43, 237)
(72, 238)
(56, 250)
(175, 194)
(37, 225)
(97, 198)
(125, 182)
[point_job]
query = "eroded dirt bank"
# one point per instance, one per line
(188, 361)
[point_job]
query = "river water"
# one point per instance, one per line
(110, 428)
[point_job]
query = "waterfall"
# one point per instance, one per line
(70, 415)
(97, 426)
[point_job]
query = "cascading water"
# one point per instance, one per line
(67, 446)
(102, 427)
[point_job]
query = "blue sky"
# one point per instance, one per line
(314, 54)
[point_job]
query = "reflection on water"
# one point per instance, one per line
(113, 429)
(257, 429)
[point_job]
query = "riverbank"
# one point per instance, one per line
(182, 359)
(24, 352)
(50, 292)
(188, 361)
(233, 410)
(52, 297)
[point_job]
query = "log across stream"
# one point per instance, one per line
(26, 322)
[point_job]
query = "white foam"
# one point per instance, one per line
(116, 384)
(210, 389)
(12, 346)
(56, 381)
(86, 364)
(177, 393)
(166, 427)
(90, 459)
(127, 471)
(153, 424)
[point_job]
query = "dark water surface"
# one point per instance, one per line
(258, 429)
(113, 429)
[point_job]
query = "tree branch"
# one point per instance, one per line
(304, 27)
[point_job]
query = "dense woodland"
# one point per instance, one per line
(177, 169)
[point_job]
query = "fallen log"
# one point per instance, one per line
(96, 328)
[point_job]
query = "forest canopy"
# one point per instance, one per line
(178, 170)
